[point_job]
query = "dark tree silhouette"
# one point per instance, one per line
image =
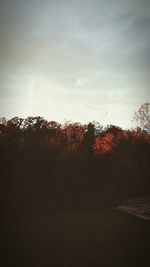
(89, 137)
(40, 155)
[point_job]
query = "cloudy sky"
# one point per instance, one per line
(79, 60)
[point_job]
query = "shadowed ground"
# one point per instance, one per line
(78, 238)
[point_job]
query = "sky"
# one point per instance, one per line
(78, 60)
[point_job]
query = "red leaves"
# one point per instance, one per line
(104, 144)
(69, 139)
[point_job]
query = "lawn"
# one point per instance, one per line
(86, 238)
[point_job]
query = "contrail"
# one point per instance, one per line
(101, 110)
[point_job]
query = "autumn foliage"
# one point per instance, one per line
(39, 155)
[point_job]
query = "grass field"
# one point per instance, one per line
(88, 238)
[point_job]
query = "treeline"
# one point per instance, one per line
(37, 155)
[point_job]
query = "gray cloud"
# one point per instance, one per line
(76, 47)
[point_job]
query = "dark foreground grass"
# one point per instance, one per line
(90, 238)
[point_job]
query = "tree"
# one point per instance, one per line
(89, 137)
(104, 144)
(142, 117)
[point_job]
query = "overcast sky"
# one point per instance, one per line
(79, 60)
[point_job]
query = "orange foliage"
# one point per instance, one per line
(104, 144)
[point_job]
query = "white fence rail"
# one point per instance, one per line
(142, 203)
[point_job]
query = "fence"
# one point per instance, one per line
(142, 203)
